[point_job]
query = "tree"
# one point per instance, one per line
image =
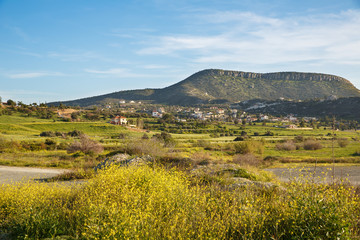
(168, 117)
(164, 137)
(139, 123)
(75, 115)
(302, 123)
(11, 102)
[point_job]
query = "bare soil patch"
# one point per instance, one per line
(321, 174)
(17, 174)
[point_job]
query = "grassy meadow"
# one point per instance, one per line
(191, 191)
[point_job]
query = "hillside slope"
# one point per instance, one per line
(343, 108)
(214, 85)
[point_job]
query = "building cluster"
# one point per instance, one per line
(212, 113)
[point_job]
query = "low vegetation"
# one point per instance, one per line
(143, 203)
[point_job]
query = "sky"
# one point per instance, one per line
(58, 50)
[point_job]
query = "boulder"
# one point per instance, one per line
(124, 159)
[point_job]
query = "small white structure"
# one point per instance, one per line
(156, 114)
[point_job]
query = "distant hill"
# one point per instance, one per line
(221, 86)
(343, 108)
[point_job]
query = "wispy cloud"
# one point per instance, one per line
(20, 33)
(78, 56)
(29, 96)
(108, 71)
(27, 92)
(154, 66)
(116, 72)
(33, 74)
(251, 38)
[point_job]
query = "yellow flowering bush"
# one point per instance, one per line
(152, 203)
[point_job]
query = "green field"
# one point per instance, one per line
(18, 129)
(190, 190)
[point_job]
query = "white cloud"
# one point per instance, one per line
(116, 72)
(78, 56)
(33, 74)
(155, 66)
(109, 71)
(236, 16)
(250, 38)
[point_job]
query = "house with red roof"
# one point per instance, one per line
(119, 120)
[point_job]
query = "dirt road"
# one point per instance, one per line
(16, 174)
(320, 174)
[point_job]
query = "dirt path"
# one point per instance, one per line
(17, 174)
(320, 174)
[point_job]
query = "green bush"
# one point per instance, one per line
(268, 133)
(165, 138)
(202, 143)
(47, 134)
(145, 147)
(249, 147)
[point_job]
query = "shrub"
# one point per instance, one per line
(201, 158)
(356, 153)
(75, 133)
(62, 146)
(165, 138)
(343, 142)
(214, 135)
(86, 146)
(299, 138)
(243, 133)
(9, 146)
(60, 134)
(123, 136)
(145, 147)
(50, 144)
(271, 158)
(286, 146)
(47, 134)
(240, 138)
(247, 160)
(145, 136)
(268, 133)
(33, 145)
(249, 147)
(203, 143)
(312, 145)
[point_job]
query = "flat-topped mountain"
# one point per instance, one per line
(220, 86)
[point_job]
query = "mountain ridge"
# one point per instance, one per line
(217, 85)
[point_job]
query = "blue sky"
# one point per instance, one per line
(64, 49)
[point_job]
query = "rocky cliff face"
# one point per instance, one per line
(293, 76)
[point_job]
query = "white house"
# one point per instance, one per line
(119, 120)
